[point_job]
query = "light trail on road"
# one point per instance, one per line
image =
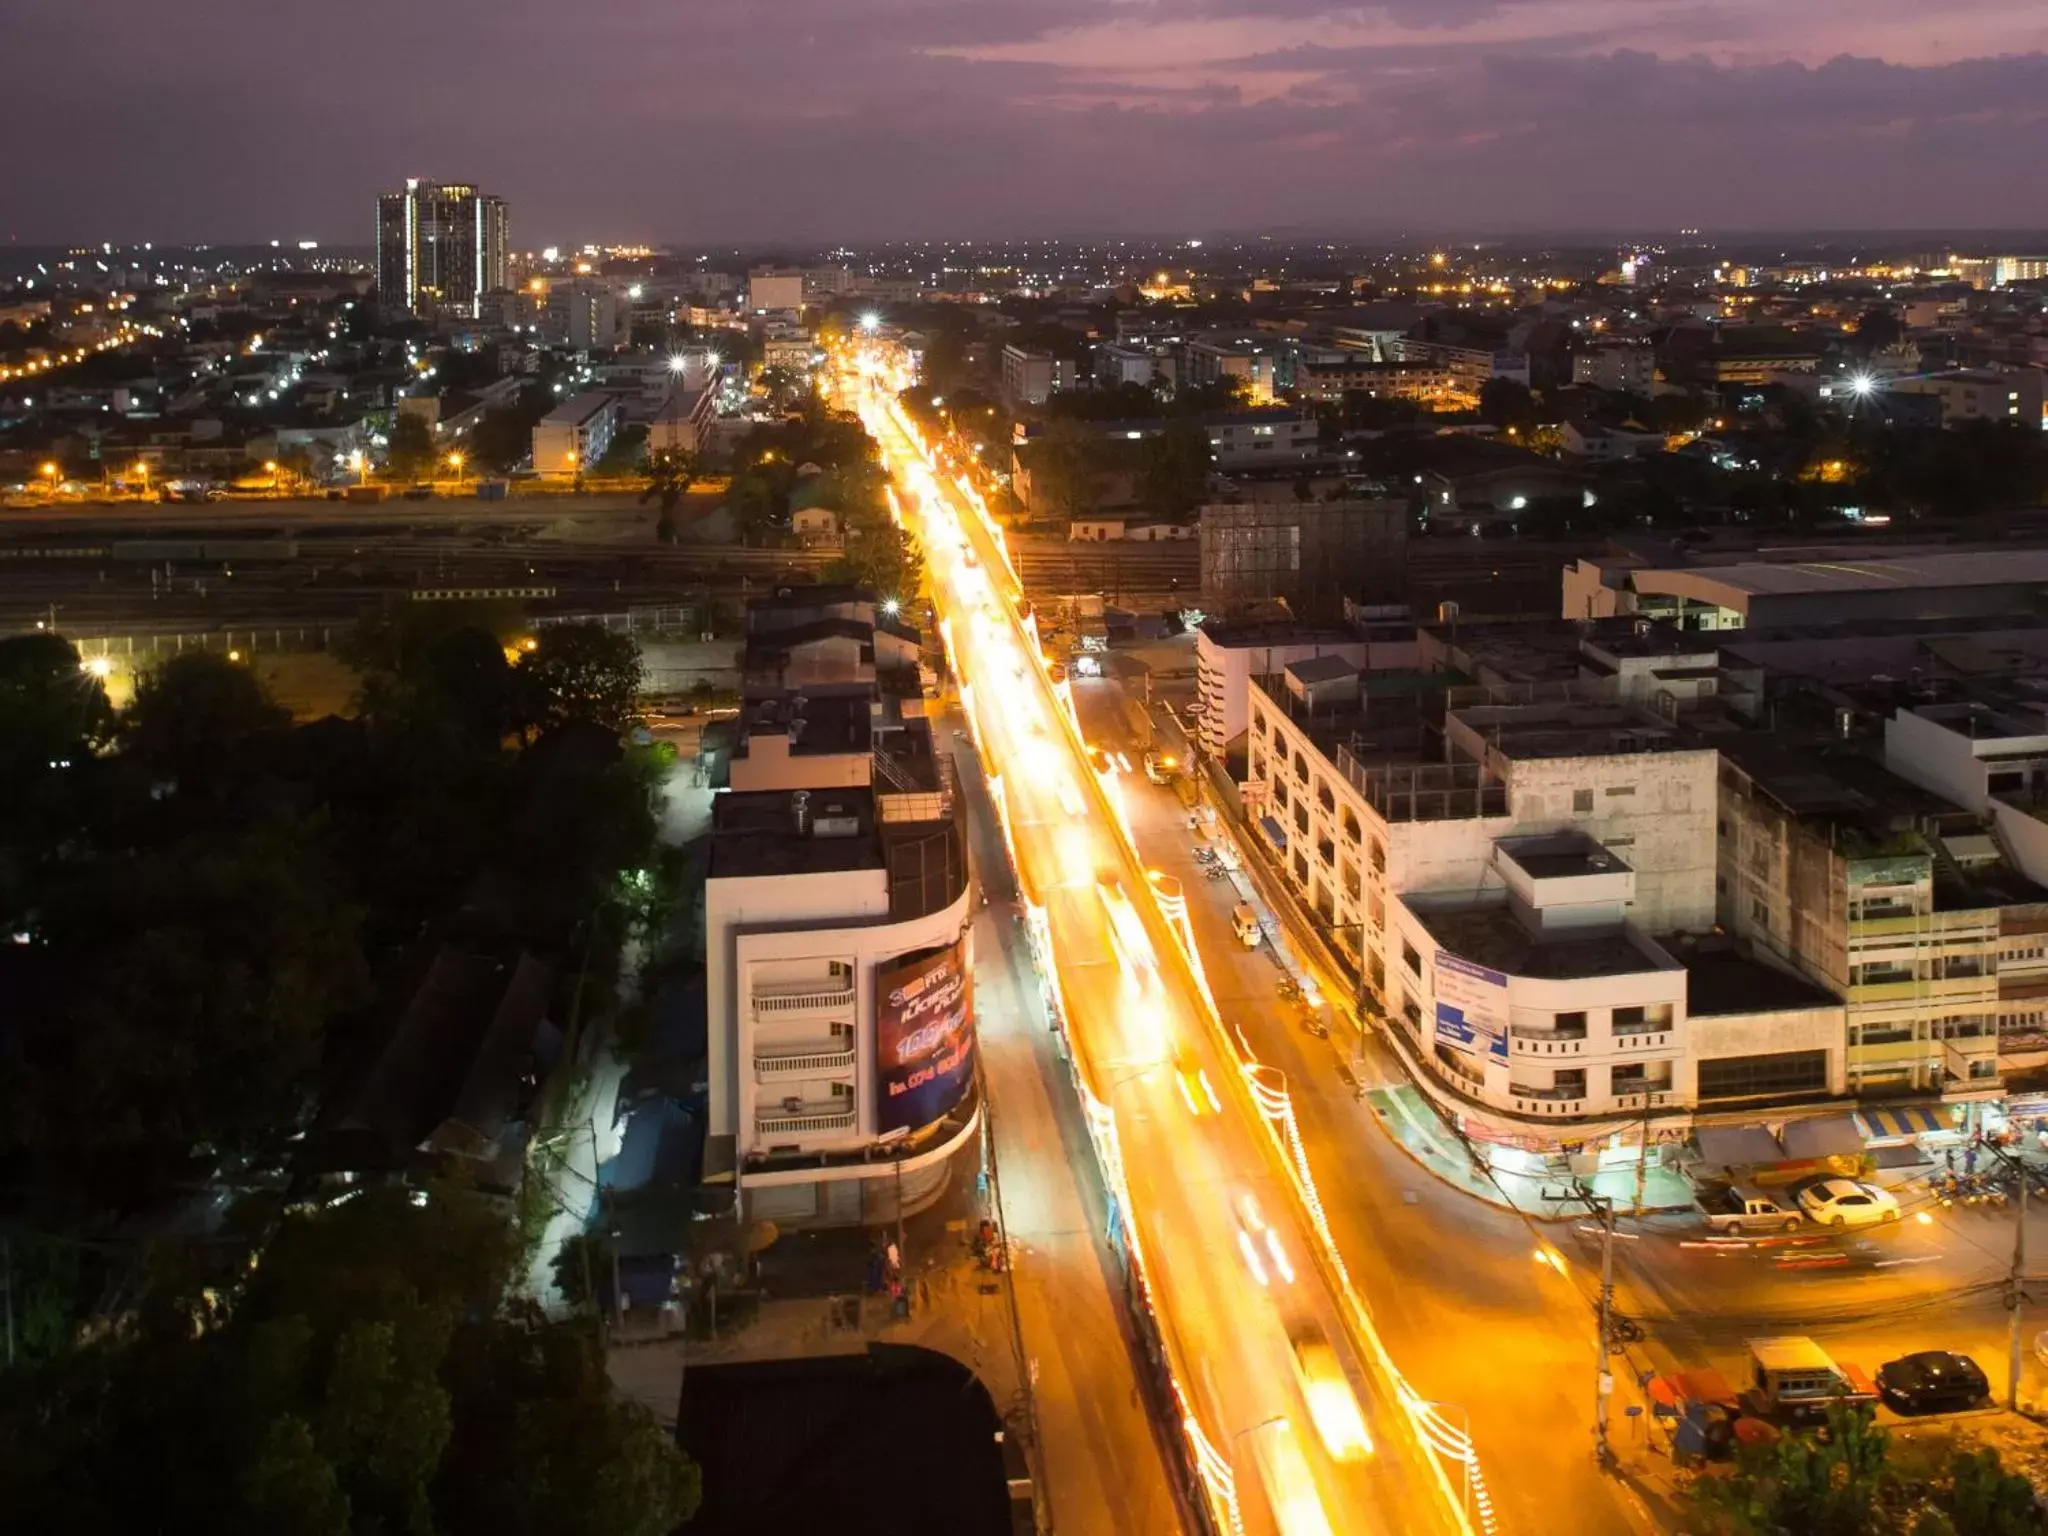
(1295, 1419)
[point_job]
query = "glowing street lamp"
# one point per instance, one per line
(358, 462)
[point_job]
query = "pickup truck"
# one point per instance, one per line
(1741, 1208)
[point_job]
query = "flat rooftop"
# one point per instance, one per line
(1494, 937)
(1236, 633)
(1960, 568)
(1719, 981)
(1562, 856)
(757, 832)
(826, 724)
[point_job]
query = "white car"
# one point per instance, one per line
(1847, 1203)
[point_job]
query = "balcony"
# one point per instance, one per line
(1548, 1042)
(802, 997)
(803, 1120)
(1547, 1101)
(814, 1060)
(1650, 1098)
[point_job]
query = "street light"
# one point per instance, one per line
(361, 465)
(455, 463)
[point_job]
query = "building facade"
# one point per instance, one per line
(441, 249)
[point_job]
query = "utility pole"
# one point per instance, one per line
(1603, 1385)
(7, 1291)
(2019, 1276)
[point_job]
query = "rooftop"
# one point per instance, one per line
(1237, 633)
(1560, 856)
(1494, 937)
(1961, 568)
(833, 723)
(580, 408)
(758, 832)
(1720, 981)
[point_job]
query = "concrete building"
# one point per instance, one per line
(1747, 594)
(1892, 899)
(1229, 653)
(441, 248)
(587, 317)
(1428, 384)
(1249, 360)
(1031, 376)
(770, 290)
(1605, 444)
(685, 422)
(574, 435)
(1313, 556)
(1626, 367)
(837, 907)
(1530, 901)
(1979, 394)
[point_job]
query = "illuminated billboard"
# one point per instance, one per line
(924, 1037)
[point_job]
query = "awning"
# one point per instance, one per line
(1906, 1120)
(1822, 1136)
(1274, 830)
(1737, 1146)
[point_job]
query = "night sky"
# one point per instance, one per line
(819, 120)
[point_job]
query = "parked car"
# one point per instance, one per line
(1848, 1203)
(1932, 1381)
(1794, 1381)
(1744, 1208)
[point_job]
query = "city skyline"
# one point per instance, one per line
(984, 121)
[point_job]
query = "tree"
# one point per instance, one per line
(670, 473)
(758, 504)
(367, 1382)
(1065, 461)
(582, 672)
(502, 440)
(201, 724)
(1853, 1480)
(1507, 403)
(1173, 473)
(624, 454)
(54, 715)
(411, 451)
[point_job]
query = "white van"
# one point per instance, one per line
(1246, 922)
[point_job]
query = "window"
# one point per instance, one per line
(1300, 768)
(1620, 789)
(1376, 973)
(1280, 793)
(1352, 884)
(1300, 817)
(1378, 855)
(1351, 831)
(1879, 973)
(1759, 912)
(1627, 1018)
(1326, 851)
(1582, 801)
(1258, 723)
(1410, 958)
(1747, 1077)
(1568, 1023)
(1324, 798)
(1627, 1076)
(1300, 870)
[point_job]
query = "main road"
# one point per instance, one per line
(1295, 1418)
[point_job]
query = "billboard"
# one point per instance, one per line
(924, 1037)
(1471, 1007)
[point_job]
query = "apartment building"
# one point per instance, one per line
(1525, 883)
(574, 435)
(1894, 899)
(1626, 367)
(1229, 653)
(1979, 394)
(839, 971)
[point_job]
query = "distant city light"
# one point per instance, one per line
(1862, 384)
(871, 322)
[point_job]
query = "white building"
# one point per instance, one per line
(1229, 653)
(684, 423)
(840, 1003)
(574, 435)
(1626, 367)
(1528, 908)
(838, 968)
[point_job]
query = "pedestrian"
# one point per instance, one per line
(1970, 1160)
